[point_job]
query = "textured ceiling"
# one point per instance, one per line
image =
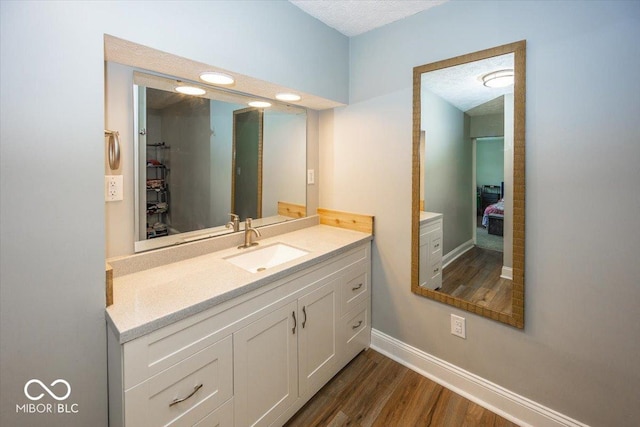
(462, 85)
(353, 17)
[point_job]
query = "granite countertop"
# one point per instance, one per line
(428, 216)
(150, 299)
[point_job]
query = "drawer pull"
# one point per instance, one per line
(437, 245)
(357, 287)
(436, 270)
(304, 311)
(176, 401)
(295, 323)
(358, 325)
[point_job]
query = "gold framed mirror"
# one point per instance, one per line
(468, 227)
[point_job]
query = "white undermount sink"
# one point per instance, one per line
(262, 258)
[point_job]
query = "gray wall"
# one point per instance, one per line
(489, 125)
(284, 160)
(447, 168)
(581, 271)
(52, 211)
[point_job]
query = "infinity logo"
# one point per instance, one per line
(47, 389)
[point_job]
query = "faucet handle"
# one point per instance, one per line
(247, 223)
(234, 223)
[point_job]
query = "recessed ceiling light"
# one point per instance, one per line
(500, 78)
(260, 104)
(190, 90)
(217, 78)
(287, 97)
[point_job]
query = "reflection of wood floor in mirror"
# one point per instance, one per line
(475, 277)
(373, 390)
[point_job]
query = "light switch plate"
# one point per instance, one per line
(113, 188)
(311, 176)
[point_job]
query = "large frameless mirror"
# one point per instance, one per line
(201, 158)
(468, 182)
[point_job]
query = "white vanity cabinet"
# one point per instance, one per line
(430, 253)
(253, 360)
(284, 355)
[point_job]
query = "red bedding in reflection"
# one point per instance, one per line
(496, 208)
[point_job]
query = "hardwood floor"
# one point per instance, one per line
(374, 390)
(475, 277)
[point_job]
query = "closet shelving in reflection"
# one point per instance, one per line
(157, 190)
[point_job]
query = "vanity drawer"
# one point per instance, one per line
(221, 417)
(354, 286)
(435, 244)
(435, 272)
(185, 393)
(356, 331)
(158, 351)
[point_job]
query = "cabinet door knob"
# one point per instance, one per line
(295, 323)
(178, 400)
(358, 325)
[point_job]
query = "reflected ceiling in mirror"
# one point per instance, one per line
(201, 158)
(457, 115)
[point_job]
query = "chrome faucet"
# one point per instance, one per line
(234, 223)
(248, 230)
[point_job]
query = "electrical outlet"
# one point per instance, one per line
(113, 188)
(458, 326)
(311, 176)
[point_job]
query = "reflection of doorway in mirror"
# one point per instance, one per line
(246, 186)
(489, 184)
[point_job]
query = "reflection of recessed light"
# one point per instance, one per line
(190, 90)
(217, 78)
(288, 97)
(500, 78)
(260, 104)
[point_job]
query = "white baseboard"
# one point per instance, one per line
(456, 253)
(497, 399)
(507, 273)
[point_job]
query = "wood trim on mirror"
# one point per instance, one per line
(516, 318)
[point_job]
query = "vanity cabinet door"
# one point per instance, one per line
(265, 367)
(317, 312)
